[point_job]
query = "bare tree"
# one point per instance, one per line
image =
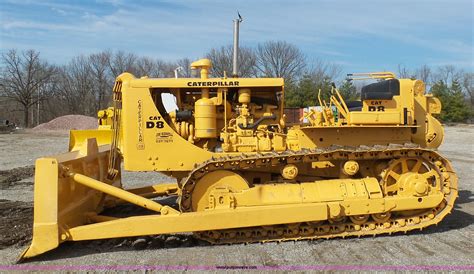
(424, 73)
(447, 74)
(320, 69)
(404, 72)
(24, 78)
(102, 78)
(280, 59)
(122, 62)
(221, 59)
(146, 66)
(76, 87)
(319, 75)
(468, 85)
(185, 65)
(166, 69)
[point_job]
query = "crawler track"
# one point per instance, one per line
(398, 222)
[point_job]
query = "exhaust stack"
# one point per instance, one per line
(235, 65)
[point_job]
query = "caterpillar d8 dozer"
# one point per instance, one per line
(244, 175)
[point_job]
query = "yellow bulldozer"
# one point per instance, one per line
(244, 175)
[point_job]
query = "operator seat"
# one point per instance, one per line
(384, 90)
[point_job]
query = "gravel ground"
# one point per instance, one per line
(449, 243)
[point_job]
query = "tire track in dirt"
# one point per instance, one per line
(16, 218)
(16, 221)
(11, 177)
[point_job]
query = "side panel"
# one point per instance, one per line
(310, 137)
(362, 118)
(430, 132)
(149, 143)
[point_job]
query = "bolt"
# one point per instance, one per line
(401, 222)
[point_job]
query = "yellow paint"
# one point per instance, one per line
(240, 117)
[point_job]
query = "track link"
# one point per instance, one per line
(399, 222)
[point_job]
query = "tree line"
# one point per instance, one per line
(33, 90)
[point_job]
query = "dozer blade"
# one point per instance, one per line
(59, 202)
(71, 189)
(78, 137)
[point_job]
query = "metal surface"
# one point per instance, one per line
(235, 55)
(398, 216)
(267, 211)
(118, 193)
(243, 174)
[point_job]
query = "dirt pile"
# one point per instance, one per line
(69, 122)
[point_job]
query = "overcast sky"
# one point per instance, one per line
(360, 35)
